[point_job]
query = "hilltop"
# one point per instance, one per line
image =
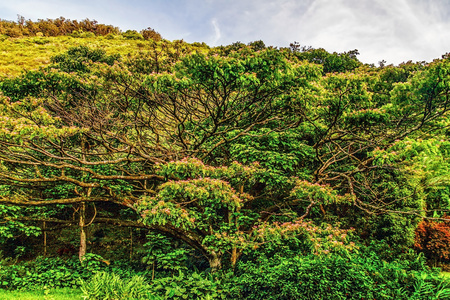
(28, 45)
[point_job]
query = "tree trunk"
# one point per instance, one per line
(82, 224)
(131, 244)
(215, 261)
(44, 229)
(235, 254)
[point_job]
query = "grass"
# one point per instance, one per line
(51, 294)
(30, 53)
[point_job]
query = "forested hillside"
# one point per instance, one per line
(235, 172)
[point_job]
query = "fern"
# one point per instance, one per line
(109, 286)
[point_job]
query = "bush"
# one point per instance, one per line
(78, 59)
(49, 272)
(433, 239)
(82, 34)
(132, 35)
(151, 34)
(13, 32)
(189, 286)
(111, 36)
(61, 273)
(335, 277)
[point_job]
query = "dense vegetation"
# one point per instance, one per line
(62, 26)
(176, 170)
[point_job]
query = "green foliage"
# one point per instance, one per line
(425, 165)
(284, 151)
(300, 237)
(204, 209)
(55, 272)
(257, 45)
(11, 227)
(297, 153)
(161, 254)
(132, 35)
(335, 277)
(208, 210)
(92, 261)
(397, 230)
(49, 272)
(77, 59)
(109, 286)
(332, 62)
(190, 286)
(53, 27)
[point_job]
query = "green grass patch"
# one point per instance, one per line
(21, 54)
(50, 294)
(30, 53)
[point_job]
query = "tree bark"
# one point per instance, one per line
(215, 261)
(235, 254)
(82, 224)
(44, 229)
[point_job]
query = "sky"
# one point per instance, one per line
(392, 30)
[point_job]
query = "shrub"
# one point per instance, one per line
(150, 34)
(13, 32)
(160, 253)
(335, 277)
(190, 286)
(111, 36)
(49, 272)
(433, 239)
(82, 34)
(132, 35)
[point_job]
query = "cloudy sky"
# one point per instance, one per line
(393, 30)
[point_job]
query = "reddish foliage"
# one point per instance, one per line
(433, 238)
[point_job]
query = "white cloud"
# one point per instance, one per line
(394, 30)
(217, 34)
(381, 29)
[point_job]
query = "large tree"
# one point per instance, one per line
(92, 132)
(99, 129)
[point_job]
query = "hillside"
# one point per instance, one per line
(28, 45)
(31, 53)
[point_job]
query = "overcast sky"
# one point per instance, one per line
(393, 30)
